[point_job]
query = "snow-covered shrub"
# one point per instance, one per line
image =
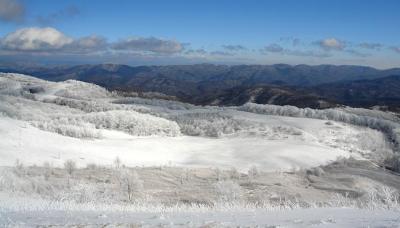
(82, 193)
(393, 162)
(371, 140)
(381, 197)
(25, 184)
(228, 191)
(10, 87)
(65, 126)
(234, 174)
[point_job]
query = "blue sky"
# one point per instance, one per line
(184, 32)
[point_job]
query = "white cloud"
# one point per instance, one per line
(35, 39)
(331, 44)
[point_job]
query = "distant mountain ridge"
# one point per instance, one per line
(300, 85)
(381, 91)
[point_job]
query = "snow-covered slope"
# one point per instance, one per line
(52, 122)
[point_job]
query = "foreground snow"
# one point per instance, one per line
(327, 217)
(196, 217)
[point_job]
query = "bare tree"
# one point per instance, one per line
(130, 183)
(218, 174)
(19, 168)
(234, 174)
(253, 172)
(117, 162)
(70, 166)
(48, 170)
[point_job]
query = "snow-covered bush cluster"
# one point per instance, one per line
(81, 90)
(10, 87)
(372, 113)
(172, 105)
(83, 105)
(133, 123)
(76, 109)
(210, 124)
(64, 126)
(86, 125)
(390, 128)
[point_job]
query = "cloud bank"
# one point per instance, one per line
(52, 45)
(50, 40)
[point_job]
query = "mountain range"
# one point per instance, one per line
(320, 86)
